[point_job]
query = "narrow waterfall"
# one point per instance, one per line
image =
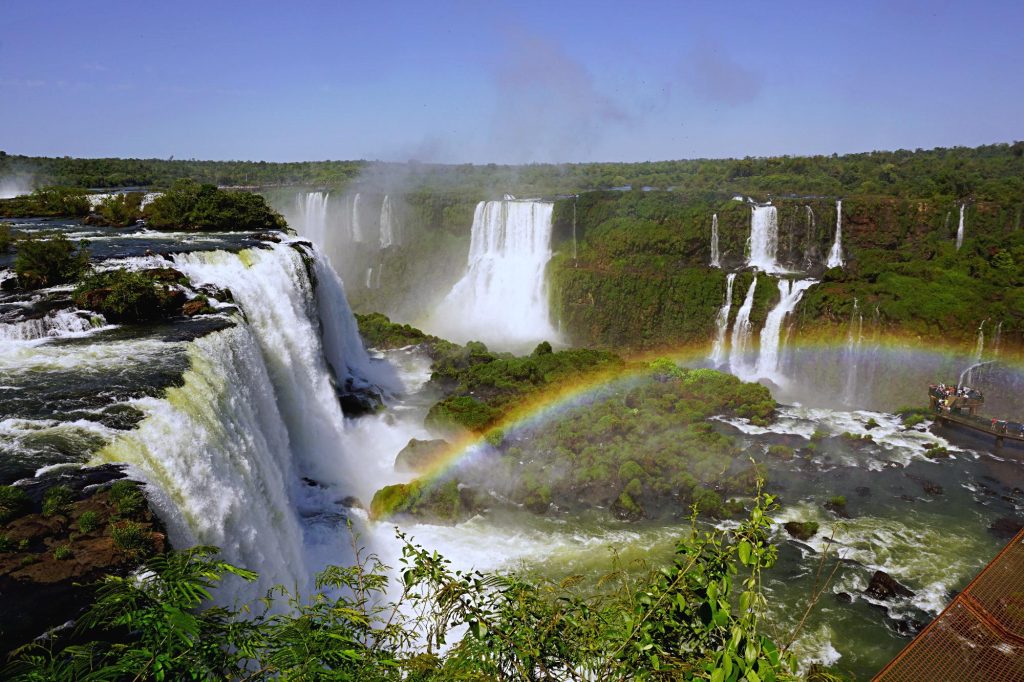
(979, 351)
(312, 210)
(502, 298)
(715, 259)
(369, 278)
(741, 333)
(997, 340)
(960, 229)
(574, 258)
(835, 256)
(790, 293)
(851, 355)
(718, 354)
(354, 223)
(764, 238)
(387, 225)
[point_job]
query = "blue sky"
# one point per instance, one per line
(505, 82)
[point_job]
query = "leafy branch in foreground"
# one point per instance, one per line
(698, 618)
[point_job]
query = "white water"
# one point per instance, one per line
(835, 256)
(356, 224)
(502, 298)
(764, 238)
(715, 257)
(58, 324)
(790, 293)
(718, 349)
(387, 223)
(312, 210)
(741, 333)
(960, 229)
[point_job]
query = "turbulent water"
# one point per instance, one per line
(502, 298)
(768, 359)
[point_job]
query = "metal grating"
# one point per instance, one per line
(979, 636)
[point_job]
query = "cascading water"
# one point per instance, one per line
(62, 323)
(718, 351)
(764, 238)
(979, 350)
(741, 332)
(354, 223)
(960, 229)
(835, 256)
(387, 225)
(715, 258)
(312, 210)
(768, 360)
(502, 298)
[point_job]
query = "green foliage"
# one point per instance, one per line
(380, 332)
(62, 552)
(698, 617)
(131, 537)
(88, 521)
(189, 205)
(52, 202)
(128, 296)
(121, 210)
(127, 497)
(6, 237)
(7, 544)
(13, 502)
(48, 261)
(57, 500)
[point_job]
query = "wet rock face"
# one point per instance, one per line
(418, 455)
(884, 586)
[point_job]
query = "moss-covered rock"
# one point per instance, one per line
(419, 455)
(445, 501)
(802, 530)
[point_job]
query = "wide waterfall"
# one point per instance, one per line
(257, 415)
(764, 238)
(312, 214)
(718, 353)
(741, 333)
(790, 293)
(835, 256)
(960, 229)
(715, 257)
(502, 298)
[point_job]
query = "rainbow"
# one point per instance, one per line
(550, 401)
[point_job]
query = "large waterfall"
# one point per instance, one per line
(741, 333)
(257, 415)
(764, 238)
(715, 256)
(718, 354)
(960, 229)
(790, 293)
(835, 256)
(312, 215)
(502, 298)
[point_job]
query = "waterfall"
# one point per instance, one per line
(979, 350)
(502, 297)
(960, 229)
(741, 333)
(574, 228)
(835, 256)
(387, 226)
(715, 260)
(718, 354)
(764, 238)
(790, 293)
(58, 324)
(369, 278)
(997, 340)
(312, 210)
(355, 225)
(854, 338)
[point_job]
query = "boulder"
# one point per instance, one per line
(884, 586)
(801, 530)
(418, 455)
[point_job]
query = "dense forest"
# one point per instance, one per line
(991, 172)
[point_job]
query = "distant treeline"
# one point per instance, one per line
(991, 173)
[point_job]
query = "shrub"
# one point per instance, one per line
(88, 521)
(131, 537)
(45, 262)
(121, 210)
(127, 497)
(57, 500)
(62, 552)
(6, 238)
(7, 544)
(13, 502)
(126, 296)
(191, 206)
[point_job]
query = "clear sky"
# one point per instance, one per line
(505, 82)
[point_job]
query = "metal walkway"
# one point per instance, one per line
(979, 636)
